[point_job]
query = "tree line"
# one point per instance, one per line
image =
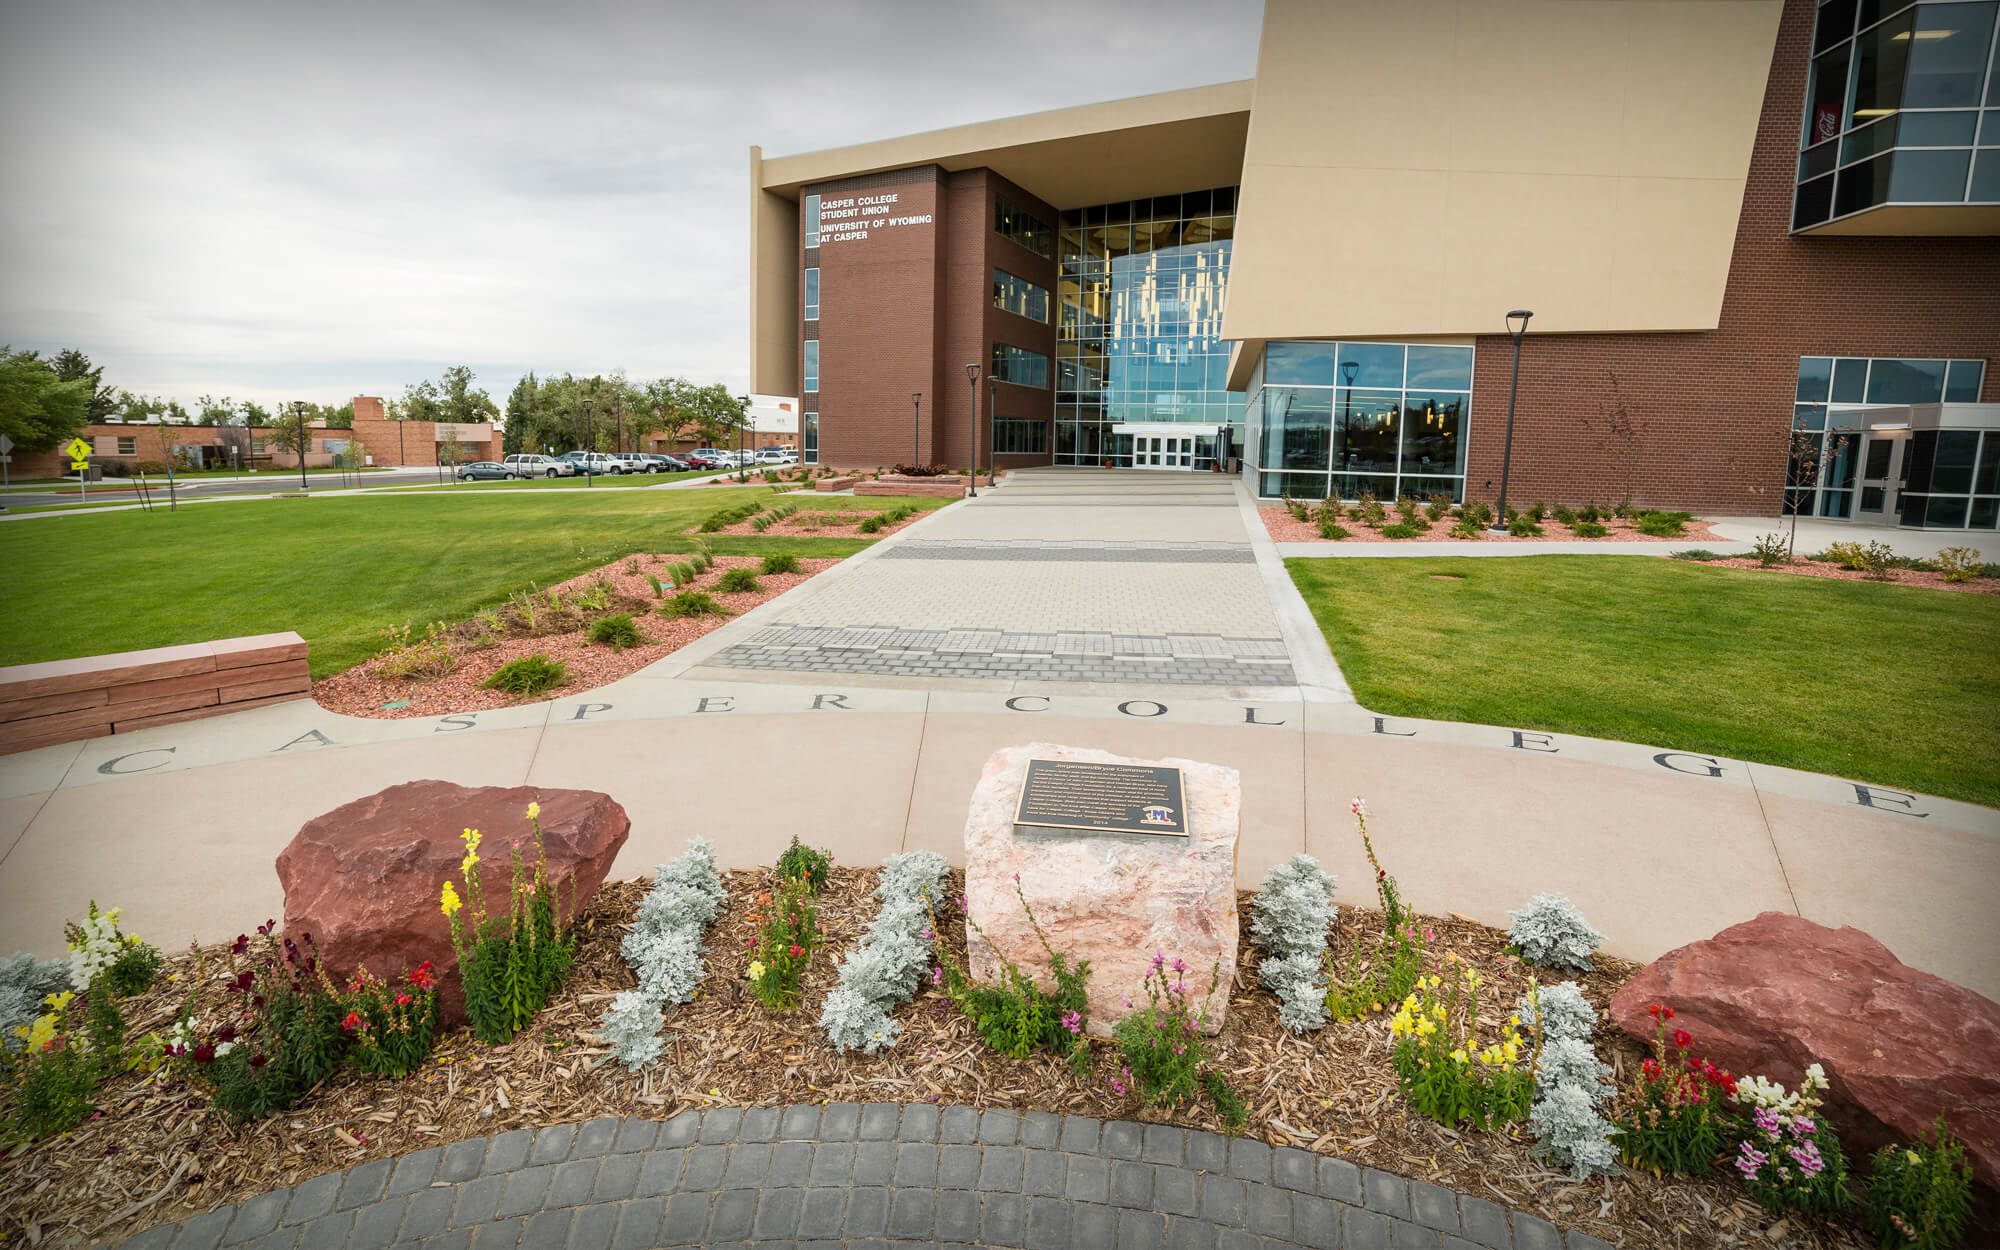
(614, 413)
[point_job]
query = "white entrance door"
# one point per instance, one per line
(1881, 462)
(1170, 451)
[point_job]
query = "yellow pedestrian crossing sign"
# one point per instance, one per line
(79, 454)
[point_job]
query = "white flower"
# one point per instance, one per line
(223, 1048)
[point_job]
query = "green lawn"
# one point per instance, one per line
(336, 570)
(1892, 685)
(601, 481)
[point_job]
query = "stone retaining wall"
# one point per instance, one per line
(65, 700)
(833, 483)
(927, 487)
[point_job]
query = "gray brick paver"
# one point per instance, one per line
(375, 1225)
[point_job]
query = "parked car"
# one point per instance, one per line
(528, 464)
(628, 462)
(671, 464)
(776, 455)
(485, 471)
(589, 463)
(705, 459)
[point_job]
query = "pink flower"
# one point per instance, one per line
(937, 976)
(1072, 1021)
(1358, 807)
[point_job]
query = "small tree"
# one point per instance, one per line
(1810, 454)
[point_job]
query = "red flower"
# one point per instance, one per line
(1654, 1011)
(258, 1060)
(204, 1053)
(352, 1022)
(1683, 1038)
(797, 950)
(423, 976)
(404, 1000)
(241, 944)
(227, 1033)
(1670, 1013)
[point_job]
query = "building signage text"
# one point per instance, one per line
(856, 215)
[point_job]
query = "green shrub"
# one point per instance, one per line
(1957, 564)
(739, 581)
(595, 599)
(1921, 1195)
(1405, 529)
(509, 962)
(291, 1038)
(1438, 505)
(133, 971)
(1871, 558)
(1662, 524)
(1015, 1015)
(617, 632)
(692, 603)
(805, 865)
(1481, 513)
(1589, 529)
(426, 658)
(528, 676)
(1771, 549)
(1407, 506)
(775, 565)
(1333, 530)
(1564, 515)
(1524, 527)
(1538, 513)
(55, 1090)
(784, 946)
(1590, 512)
(870, 525)
(1679, 1113)
(1295, 507)
(1700, 554)
(395, 1024)
(1369, 511)
(1384, 982)
(1466, 527)
(1166, 1059)
(653, 580)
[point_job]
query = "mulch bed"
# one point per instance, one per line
(811, 522)
(158, 1153)
(1889, 577)
(1283, 527)
(480, 646)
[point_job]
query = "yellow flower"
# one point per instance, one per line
(448, 902)
(1458, 1055)
(534, 811)
(56, 1002)
(471, 838)
(466, 865)
(756, 970)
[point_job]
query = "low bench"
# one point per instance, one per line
(65, 700)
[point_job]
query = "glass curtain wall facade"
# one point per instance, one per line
(1902, 107)
(1344, 419)
(1141, 289)
(1826, 449)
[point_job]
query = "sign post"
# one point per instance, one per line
(79, 459)
(6, 458)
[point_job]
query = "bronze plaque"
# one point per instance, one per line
(1142, 799)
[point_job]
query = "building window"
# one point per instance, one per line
(809, 439)
(812, 221)
(812, 364)
(1023, 227)
(1020, 297)
(1892, 111)
(128, 445)
(812, 294)
(1020, 366)
(1820, 479)
(1339, 420)
(1013, 436)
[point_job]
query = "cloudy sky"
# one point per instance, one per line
(315, 200)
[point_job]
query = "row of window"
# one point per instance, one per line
(1020, 297)
(1020, 436)
(1888, 380)
(1023, 227)
(1020, 366)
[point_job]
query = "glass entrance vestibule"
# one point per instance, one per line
(1161, 445)
(1859, 455)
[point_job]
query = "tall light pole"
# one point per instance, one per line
(1347, 371)
(1513, 389)
(972, 426)
(299, 407)
(589, 469)
(916, 428)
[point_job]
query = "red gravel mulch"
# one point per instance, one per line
(819, 523)
(482, 645)
(1892, 577)
(1285, 528)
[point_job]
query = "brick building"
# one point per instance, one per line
(1751, 233)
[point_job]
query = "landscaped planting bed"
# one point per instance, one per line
(809, 518)
(1285, 527)
(1953, 568)
(157, 1150)
(554, 623)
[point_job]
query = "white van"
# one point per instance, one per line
(529, 465)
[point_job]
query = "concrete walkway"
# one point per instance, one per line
(857, 1175)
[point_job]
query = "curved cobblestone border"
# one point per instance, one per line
(870, 1175)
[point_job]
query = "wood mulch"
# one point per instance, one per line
(811, 522)
(481, 645)
(1888, 577)
(157, 1152)
(1283, 527)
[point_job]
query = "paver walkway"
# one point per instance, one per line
(1056, 575)
(875, 1175)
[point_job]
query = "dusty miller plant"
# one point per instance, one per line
(664, 951)
(885, 968)
(1571, 1132)
(1564, 1012)
(1290, 916)
(1552, 933)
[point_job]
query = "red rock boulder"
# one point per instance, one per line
(364, 879)
(1771, 995)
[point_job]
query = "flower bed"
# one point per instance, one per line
(1889, 577)
(820, 522)
(159, 1151)
(479, 647)
(1283, 527)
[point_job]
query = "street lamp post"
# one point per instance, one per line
(589, 469)
(972, 426)
(916, 428)
(1347, 371)
(1513, 389)
(300, 408)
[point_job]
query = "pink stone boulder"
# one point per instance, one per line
(1772, 995)
(364, 879)
(1108, 899)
